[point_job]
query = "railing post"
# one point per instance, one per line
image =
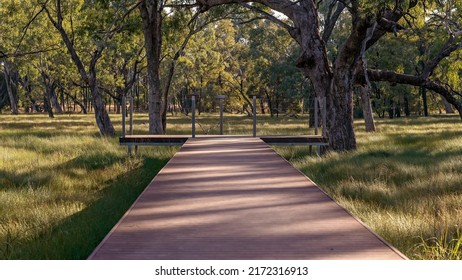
(131, 123)
(324, 117)
(131, 115)
(123, 115)
(193, 113)
(316, 121)
(221, 116)
(220, 98)
(254, 111)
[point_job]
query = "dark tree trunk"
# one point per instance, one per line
(407, 110)
(151, 14)
(26, 84)
(10, 88)
(423, 92)
(270, 103)
(262, 105)
(311, 110)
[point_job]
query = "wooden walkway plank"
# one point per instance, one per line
(235, 198)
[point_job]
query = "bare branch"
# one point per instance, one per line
(449, 47)
(268, 16)
(332, 18)
(396, 78)
(49, 49)
(26, 27)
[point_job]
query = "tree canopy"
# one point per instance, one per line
(360, 58)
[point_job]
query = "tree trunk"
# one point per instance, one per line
(55, 102)
(270, 104)
(407, 110)
(367, 108)
(151, 14)
(311, 110)
(102, 117)
(262, 105)
(336, 87)
(9, 89)
(47, 104)
(423, 92)
(392, 77)
(447, 106)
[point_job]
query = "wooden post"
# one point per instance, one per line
(123, 116)
(193, 114)
(131, 115)
(131, 123)
(220, 98)
(254, 116)
(316, 121)
(324, 117)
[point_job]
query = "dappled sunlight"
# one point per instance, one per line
(235, 198)
(404, 180)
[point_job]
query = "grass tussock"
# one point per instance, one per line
(404, 181)
(62, 186)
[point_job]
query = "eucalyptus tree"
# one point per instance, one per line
(86, 29)
(11, 16)
(332, 80)
(37, 59)
(439, 28)
(157, 17)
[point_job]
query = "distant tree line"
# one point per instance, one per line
(360, 58)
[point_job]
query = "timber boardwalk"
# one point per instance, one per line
(235, 198)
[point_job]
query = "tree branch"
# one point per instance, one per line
(5, 55)
(268, 16)
(449, 47)
(332, 18)
(25, 28)
(396, 78)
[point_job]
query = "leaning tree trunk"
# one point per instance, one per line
(151, 14)
(102, 117)
(9, 89)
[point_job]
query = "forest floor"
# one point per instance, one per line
(63, 187)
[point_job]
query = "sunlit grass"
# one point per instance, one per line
(62, 186)
(404, 181)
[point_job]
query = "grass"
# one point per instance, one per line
(62, 187)
(404, 181)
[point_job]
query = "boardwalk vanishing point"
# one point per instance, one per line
(235, 198)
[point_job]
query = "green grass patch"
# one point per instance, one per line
(404, 181)
(63, 187)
